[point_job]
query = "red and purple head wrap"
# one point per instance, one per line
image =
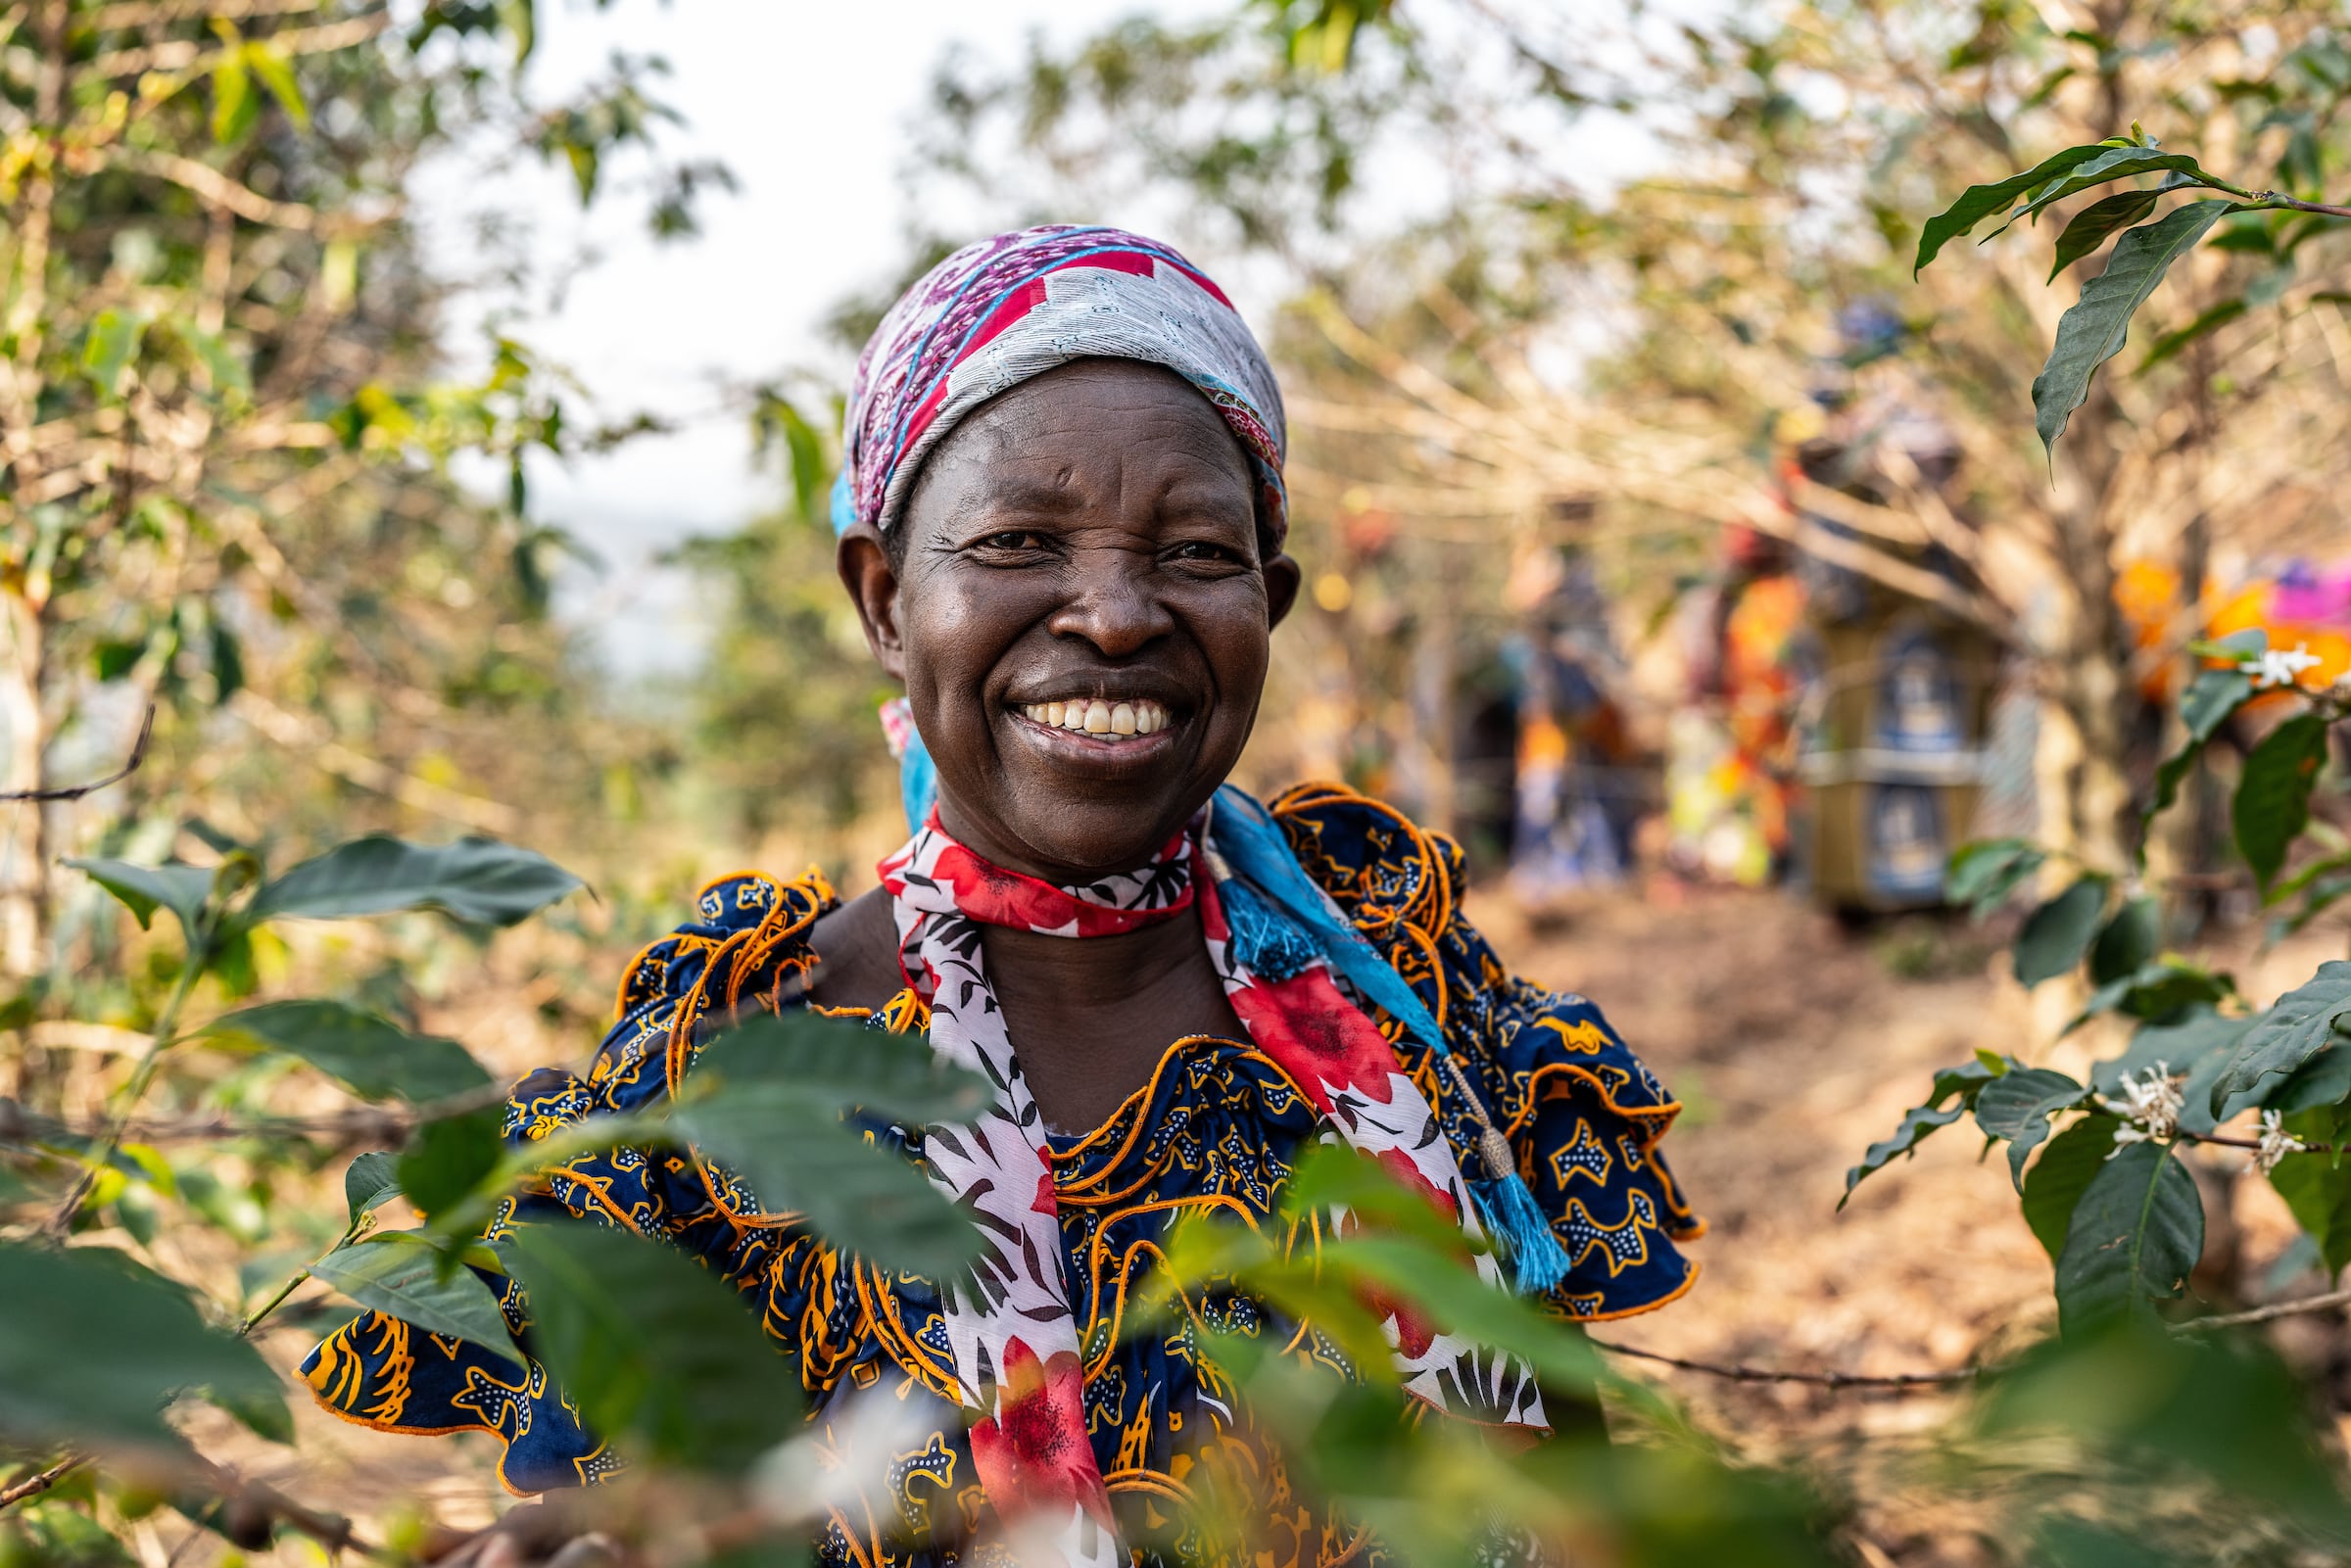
(999, 312)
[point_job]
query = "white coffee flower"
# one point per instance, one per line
(2282, 666)
(2275, 1144)
(2151, 1107)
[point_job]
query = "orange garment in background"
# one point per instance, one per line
(2148, 595)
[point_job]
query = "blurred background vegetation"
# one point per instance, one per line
(1667, 541)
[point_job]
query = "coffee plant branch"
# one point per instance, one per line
(138, 755)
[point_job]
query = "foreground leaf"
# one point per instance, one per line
(477, 879)
(2063, 1172)
(2116, 162)
(2093, 331)
(2211, 696)
(1983, 873)
(2128, 942)
(92, 1347)
(143, 890)
(798, 1161)
(372, 1181)
(2055, 935)
(2137, 1232)
(2317, 1187)
(646, 1341)
(403, 1275)
(835, 1064)
(448, 1158)
(372, 1057)
(2292, 1031)
(1979, 201)
(2096, 223)
(1965, 1081)
(2272, 794)
(2017, 1106)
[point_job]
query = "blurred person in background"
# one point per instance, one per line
(1062, 517)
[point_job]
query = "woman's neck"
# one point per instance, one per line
(1090, 1016)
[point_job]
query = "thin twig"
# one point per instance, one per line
(138, 755)
(2280, 199)
(33, 1486)
(1829, 1380)
(2271, 1312)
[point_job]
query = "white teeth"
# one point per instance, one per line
(1096, 716)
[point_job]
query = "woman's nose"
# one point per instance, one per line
(1110, 601)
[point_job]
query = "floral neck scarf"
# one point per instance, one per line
(1014, 1337)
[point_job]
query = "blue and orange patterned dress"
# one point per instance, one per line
(1216, 1127)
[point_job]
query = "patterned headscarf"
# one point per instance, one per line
(997, 313)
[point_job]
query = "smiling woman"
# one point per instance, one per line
(1062, 519)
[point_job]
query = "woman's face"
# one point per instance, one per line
(1080, 615)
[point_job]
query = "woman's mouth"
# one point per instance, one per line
(1105, 718)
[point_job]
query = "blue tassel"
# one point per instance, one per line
(1538, 1262)
(1262, 939)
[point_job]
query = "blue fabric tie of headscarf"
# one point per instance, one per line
(1281, 921)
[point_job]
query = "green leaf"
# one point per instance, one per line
(403, 1275)
(2155, 990)
(92, 1347)
(2210, 697)
(277, 74)
(2272, 794)
(1982, 874)
(234, 107)
(2093, 331)
(1979, 201)
(2297, 1027)
(2317, 1187)
(645, 1340)
(2137, 1232)
(2062, 1175)
(804, 1161)
(2055, 936)
(372, 1181)
(1965, 1081)
(2095, 223)
(1452, 1296)
(372, 1057)
(2128, 942)
(111, 344)
(143, 890)
(2119, 162)
(835, 1064)
(476, 879)
(228, 372)
(2172, 342)
(264, 1415)
(448, 1158)
(2017, 1106)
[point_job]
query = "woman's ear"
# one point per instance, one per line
(1283, 577)
(865, 571)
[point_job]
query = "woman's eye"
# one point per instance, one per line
(1014, 538)
(1200, 550)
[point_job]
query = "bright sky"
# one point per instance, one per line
(809, 104)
